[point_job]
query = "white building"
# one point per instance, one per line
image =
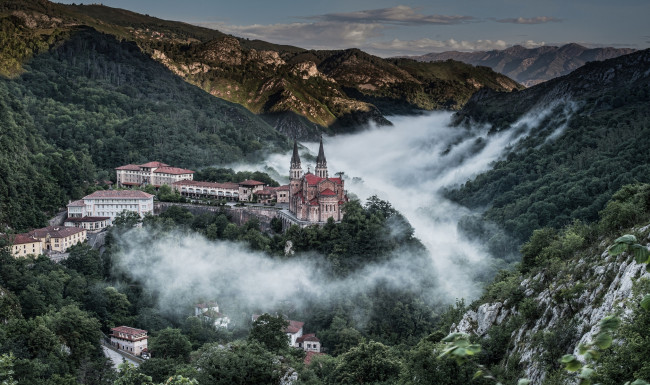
(154, 173)
(294, 332)
(129, 339)
(193, 189)
(104, 204)
(242, 191)
(309, 343)
(210, 313)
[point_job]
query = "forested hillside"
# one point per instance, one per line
(569, 280)
(572, 166)
(86, 103)
(94, 293)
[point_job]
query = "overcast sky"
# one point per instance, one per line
(389, 27)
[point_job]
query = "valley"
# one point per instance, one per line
(476, 217)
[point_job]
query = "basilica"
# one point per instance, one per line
(314, 198)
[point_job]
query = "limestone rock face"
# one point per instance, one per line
(607, 289)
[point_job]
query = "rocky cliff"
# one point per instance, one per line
(600, 285)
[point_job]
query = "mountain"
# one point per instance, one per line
(591, 129)
(86, 102)
(299, 92)
(569, 280)
(530, 66)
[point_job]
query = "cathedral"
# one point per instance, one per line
(314, 197)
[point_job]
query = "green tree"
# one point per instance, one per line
(85, 260)
(77, 330)
(239, 363)
(270, 332)
(130, 375)
(369, 362)
(171, 343)
(126, 219)
(6, 369)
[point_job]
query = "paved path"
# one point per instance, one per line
(117, 357)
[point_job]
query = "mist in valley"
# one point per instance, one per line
(409, 164)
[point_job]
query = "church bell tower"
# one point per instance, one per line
(321, 162)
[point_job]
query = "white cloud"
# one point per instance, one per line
(420, 46)
(318, 35)
(400, 14)
(530, 20)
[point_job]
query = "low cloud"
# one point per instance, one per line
(318, 35)
(429, 45)
(401, 14)
(530, 20)
(185, 268)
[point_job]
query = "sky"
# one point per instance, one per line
(390, 27)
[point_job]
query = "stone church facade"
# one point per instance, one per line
(314, 198)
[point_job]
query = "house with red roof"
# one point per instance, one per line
(313, 198)
(309, 343)
(22, 245)
(154, 173)
(130, 340)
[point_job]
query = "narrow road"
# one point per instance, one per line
(116, 357)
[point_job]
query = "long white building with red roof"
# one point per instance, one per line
(241, 192)
(101, 207)
(314, 198)
(153, 173)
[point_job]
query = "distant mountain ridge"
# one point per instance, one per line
(301, 93)
(530, 66)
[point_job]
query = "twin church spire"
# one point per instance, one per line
(295, 170)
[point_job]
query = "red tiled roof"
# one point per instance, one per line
(173, 171)
(328, 192)
(226, 185)
(294, 327)
(206, 305)
(132, 334)
(250, 182)
(335, 180)
(119, 194)
(308, 337)
(55, 231)
(154, 164)
(213, 314)
(21, 239)
(130, 167)
(78, 203)
(128, 330)
(87, 219)
(314, 202)
(310, 355)
(265, 192)
(282, 188)
(312, 179)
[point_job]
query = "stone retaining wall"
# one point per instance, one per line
(239, 215)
